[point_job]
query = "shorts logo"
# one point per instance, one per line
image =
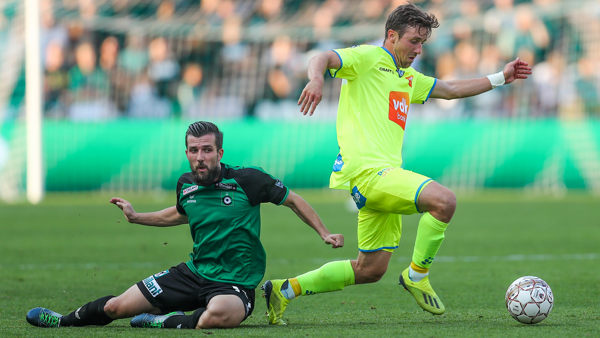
(227, 199)
(190, 189)
(399, 104)
(384, 172)
(162, 273)
(358, 198)
(152, 286)
(338, 164)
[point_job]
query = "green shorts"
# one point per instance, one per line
(382, 196)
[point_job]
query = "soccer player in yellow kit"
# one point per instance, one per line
(378, 88)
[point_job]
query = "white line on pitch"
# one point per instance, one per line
(439, 259)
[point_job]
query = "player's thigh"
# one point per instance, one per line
(223, 311)
(378, 230)
(130, 303)
(392, 190)
(176, 289)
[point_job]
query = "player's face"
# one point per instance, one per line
(204, 158)
(407, 47)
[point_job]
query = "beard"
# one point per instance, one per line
(208, 178)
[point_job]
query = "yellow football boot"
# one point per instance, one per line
(276, 301)
(423, 293)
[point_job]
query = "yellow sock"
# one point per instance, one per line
(332, 276)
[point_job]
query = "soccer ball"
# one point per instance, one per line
(529, 299)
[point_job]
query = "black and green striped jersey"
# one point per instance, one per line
(224, 221)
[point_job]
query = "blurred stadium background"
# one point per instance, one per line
(122, 79)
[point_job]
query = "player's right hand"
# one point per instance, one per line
(125, 206)
(311, 96)
(336, 240)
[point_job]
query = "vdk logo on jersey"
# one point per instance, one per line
(227, 198)
(399, 104)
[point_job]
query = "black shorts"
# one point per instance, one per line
(179, 289)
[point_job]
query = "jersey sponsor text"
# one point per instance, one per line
(399, 104)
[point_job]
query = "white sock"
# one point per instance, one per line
(416, 276)
(287, 291)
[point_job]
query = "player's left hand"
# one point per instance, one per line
(517, 69)
(336, 240)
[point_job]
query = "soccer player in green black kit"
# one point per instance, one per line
(221, 203)
(378, 88)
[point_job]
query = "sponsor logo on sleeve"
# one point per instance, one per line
(399, 104)
(152, 286)
(279, 184)
(338, 164)
(190, 189)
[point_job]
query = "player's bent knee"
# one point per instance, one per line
(218, 319)
(113, 308)
(445, 206)
(371, 274)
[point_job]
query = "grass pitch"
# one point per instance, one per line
(75, 248)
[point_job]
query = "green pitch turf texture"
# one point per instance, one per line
(75, 248)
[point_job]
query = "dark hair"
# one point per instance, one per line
(410, 15)
(201, 128)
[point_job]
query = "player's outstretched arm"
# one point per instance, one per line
(456, 89)
(164, 218)
(313, 92)
(310, 217)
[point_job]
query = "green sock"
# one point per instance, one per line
(430, 236)
(332, 276)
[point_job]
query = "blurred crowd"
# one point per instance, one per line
(234, 59)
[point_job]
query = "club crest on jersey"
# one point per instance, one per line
(227, 199)
(410, 79)
(401, 73)
(190, 189)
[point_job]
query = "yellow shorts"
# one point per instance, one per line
(382, 196)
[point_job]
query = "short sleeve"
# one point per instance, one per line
(261, 187)
(185, 178)
(355, 61)
(423, 87)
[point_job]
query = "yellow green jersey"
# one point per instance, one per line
(374, 102)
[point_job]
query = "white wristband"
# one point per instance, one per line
(496, 80)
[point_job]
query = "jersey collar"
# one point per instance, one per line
(222, 173)
(398, 70)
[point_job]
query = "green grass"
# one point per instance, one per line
(76, 248)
